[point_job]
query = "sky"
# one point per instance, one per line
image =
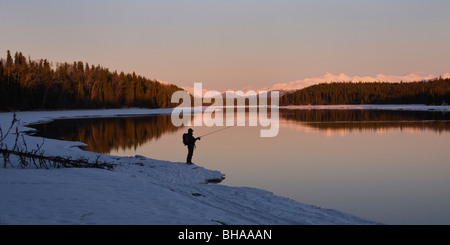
(234, 44)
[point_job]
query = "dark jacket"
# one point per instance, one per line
(191, 139)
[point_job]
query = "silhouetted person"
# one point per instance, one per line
(189, 140)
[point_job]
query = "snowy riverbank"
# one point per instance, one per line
(138, 190)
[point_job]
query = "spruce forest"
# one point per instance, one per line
(27, 84)
(433, 92)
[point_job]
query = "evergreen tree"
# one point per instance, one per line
(424, 92)
(27, 84)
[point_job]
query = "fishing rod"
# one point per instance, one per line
(216, 131)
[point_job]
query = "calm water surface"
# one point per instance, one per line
(388, 166)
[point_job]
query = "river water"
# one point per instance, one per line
(388, 166)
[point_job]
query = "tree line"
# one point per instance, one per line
(27, 84)
(433, 92)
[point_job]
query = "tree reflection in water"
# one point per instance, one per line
(357, 119)
(103, 135)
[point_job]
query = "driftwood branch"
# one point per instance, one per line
(37, 158)
(41, 161)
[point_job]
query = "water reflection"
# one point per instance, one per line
(104, 135)
(372, 120)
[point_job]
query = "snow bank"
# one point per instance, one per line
(138, 190)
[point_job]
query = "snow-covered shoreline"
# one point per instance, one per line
(140, 190)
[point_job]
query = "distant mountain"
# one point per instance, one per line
(291, 86)
(329, 77)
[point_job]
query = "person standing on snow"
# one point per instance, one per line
(189, 141)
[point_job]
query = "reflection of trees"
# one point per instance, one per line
(369, 119)
(104, 134)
